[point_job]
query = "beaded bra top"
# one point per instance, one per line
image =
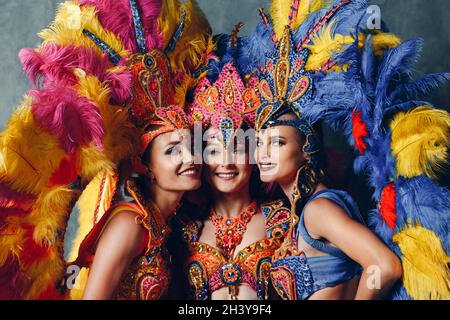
(147, 277)
(295, 276)
(208, 268)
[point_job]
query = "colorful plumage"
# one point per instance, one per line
(73, 128)
(405, 150)
(367, 91)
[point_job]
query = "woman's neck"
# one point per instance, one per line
(166, 201)
(288, 190)
(230, 205)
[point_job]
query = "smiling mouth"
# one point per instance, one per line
(266, 166)
(189, 172)
(227, 175)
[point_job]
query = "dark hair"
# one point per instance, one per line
(142, 181)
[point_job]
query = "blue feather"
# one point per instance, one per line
(419, 87)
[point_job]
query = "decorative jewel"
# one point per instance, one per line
(263, 116)
(114, 57)
(207, 99)
(300, 88)
(231, 274)
(266, 92)
(138, 28)
(228, 96)
(230, 231)
(292, 277)
(226, 128)
(226, 103)
(251, 100)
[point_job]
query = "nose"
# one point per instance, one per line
(263, 152)
(188, 155)
(228, 157)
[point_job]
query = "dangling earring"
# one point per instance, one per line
(306, 182)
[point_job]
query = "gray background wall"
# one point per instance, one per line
(20, 20)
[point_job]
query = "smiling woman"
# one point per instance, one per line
(230, 241)
(111, 80)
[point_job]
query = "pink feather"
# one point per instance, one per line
(53, 66)
(120, 85)
(116, 17)
(74, 120)
(56, 64)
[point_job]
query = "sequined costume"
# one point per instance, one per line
(319, 62)
(106, 74)
(208, 269)
(148, 276)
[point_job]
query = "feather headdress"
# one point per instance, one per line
(104, 71)
(365, 88)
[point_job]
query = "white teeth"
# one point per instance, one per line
(188, 172)
(227, 175)
(267, 166)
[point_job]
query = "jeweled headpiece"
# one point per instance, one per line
(290, 75)
(155, 100)
(229, 101)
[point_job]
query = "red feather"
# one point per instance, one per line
(33, 252)
(388, 207)
(359, 131)
(65, 174)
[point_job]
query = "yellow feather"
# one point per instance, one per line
(92, 205)
(68, 26)
(193, 46)
(93, 161)
(49, 214)
(189, 82)
(383, 41)
(420, 139)
(425, 264)
(29, 155)
(305, 8)
(280, 9)
(324, 46)
(121, 138)
(91, 88)
(11, 239)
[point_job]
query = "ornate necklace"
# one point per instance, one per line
(230, 231)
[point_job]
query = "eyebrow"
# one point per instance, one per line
(173, 143)
(277, 136)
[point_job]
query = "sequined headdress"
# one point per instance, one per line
(108, 77)
(290, 75)
(156, 100)
(233, 98)
(401, 140)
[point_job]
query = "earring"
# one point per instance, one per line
(306, 182)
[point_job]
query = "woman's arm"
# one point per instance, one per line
(118, 245)
(325, 219)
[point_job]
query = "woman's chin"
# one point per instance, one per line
(268, 178)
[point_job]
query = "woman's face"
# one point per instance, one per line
(172, 162)
(279, 153)
(228, 170)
